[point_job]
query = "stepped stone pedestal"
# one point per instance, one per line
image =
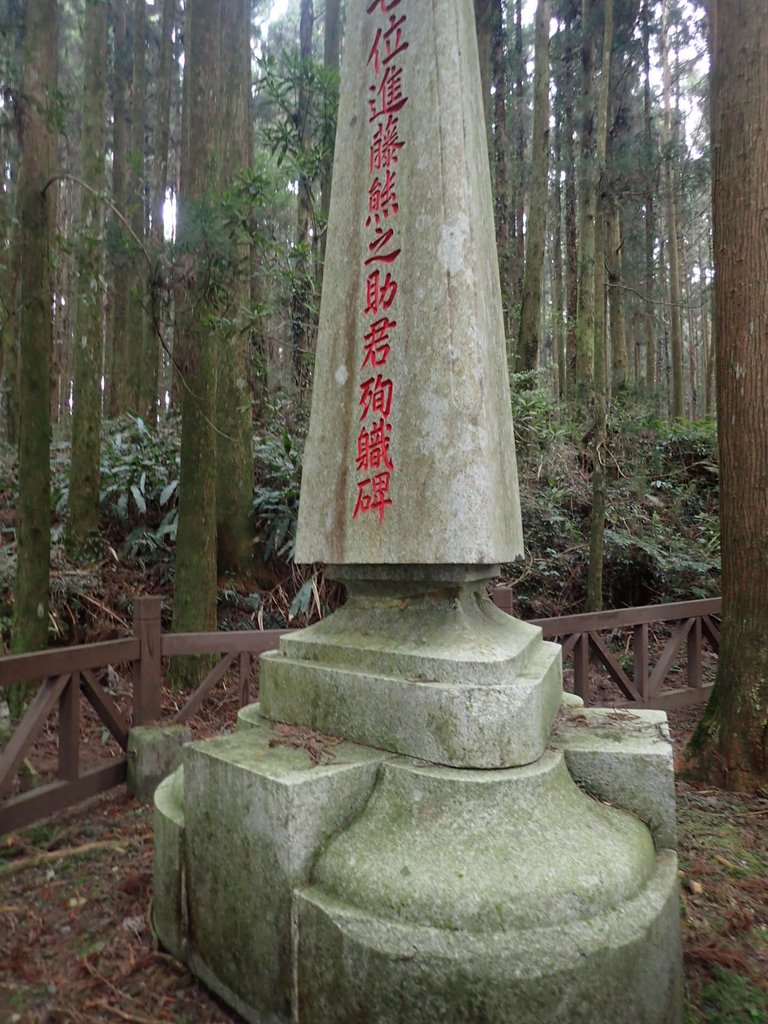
(414, 825)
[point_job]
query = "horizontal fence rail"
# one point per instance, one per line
(66, 676)
(691, 623)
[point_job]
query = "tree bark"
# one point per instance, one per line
(86, 415)
(331, 61)
(501, 205)
(730, 747)
(149, 383)
(302, 297)
(598, 396)
(649, 318)
(677, 408)
(194, 604)
(36, 216)
(137, 297)
(616, 296)
(530, 312)
(234, 458)
(483, 17)
(118, 345)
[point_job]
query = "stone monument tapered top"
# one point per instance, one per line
(410, 456)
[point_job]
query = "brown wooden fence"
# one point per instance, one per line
(66, 676)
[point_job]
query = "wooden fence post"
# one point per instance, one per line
(147, 671)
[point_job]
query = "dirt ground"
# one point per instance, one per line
(77, 947)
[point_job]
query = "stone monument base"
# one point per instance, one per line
(309, 880)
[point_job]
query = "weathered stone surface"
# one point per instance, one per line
(257, 811)
(621, 967)
(427, 668)
(154, 751)
(486, 851)
(624, 757)
(169, 895)
(507, 897)
(454, 482)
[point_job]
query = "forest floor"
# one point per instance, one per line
(77, 946)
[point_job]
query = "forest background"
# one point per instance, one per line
(166, 172)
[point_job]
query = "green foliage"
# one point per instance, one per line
(139, 484)
(534, 412)
(730, 998)
(283, 78)
(276, 496)
(662, 529)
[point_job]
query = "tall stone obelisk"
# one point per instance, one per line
(395, 834)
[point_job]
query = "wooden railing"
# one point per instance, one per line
(67, 675)
(586, 643)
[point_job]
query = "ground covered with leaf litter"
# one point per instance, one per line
(77, 947)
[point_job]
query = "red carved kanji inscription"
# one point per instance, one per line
(387, 99)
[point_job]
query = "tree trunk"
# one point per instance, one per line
(558, 295)
(590, 181)
(11, 332)
(598, 396)
(120, 246)
(36, 215)
(137, 298)
(650, 226)
(149, 384)
(530, 312)
(501, 208)
(616, 297)
(483, 18)
(302, 298)
(677, 408)
(599, 431)
(730, 747)
(571, 240)
(518, 179)
(331, 60)
(194, 603)
(86, 416)
(234, 458)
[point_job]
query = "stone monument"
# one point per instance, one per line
(395, 834)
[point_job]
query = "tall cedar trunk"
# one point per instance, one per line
(650, 227)
(302, 298)
(530, 311)
(120, 244)
(730, 747)
(183, 129)
(590, 180)
(558, 294)
(194, 601)
(86, 415)
(331, 61)
(618, 333)
(599, 401)
(501, 209)
(708, 337)
(11, 333)
(36, 216)
(677, 408)
(518, 179)
(599, 429)
(483, 17)
(137, 297)
(150, 372)
(234, 458)
(693, 386)
(569, 169)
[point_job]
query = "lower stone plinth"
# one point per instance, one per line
(622, 967)
(310, 881)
